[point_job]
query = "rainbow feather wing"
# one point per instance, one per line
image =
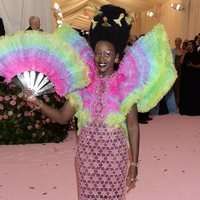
(147, 71)
(79, 44)
(45, 53)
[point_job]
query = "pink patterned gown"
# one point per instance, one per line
(101, 163)
(102, 153)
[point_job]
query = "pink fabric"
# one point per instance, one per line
(103, 92)
(101, 158)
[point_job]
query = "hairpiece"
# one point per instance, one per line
(118, 21)
(94, 23)
(131, 18)
(105, 23)
(128, 20)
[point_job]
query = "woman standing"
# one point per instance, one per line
(190, 81)
(102, 153)
(107, 108)
(177, 56)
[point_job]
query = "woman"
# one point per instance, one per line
(177, 55)
(190, 80)
(106, 109)
(102, 153)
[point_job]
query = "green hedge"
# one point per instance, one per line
(18, 125)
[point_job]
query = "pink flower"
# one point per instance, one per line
(12, 85)
(43, 116)
(37, 126)
(12, 102)
(27, 114)
(5, 116)
(20, 95)
(1, 107)
(1, 117)
(7, 98)
(22, 103)
(10, 113)
(14, 97)
(1, 98)
(18, 107)
(43, 133)
(34, 135)
(30, 127)
(31, 105)
(48, 120)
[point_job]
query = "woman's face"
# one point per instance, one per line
(178, 42)
(190, 47)
(105, 57)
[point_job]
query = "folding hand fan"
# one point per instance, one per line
(41, 61)
(36, 81)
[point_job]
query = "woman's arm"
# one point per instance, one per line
(134, 139)
(61, 116)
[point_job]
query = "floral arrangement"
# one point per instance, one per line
(21, 124)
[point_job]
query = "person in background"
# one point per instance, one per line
(132, 40)
(198, 43)
(34, 24)
(177, 53)
(184, 46)
(2, 33)
(2, 30)
(190, 81)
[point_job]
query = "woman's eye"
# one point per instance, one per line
(108, 54)
(97, 54)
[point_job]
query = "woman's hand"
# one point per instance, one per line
(131, 177)
(30, 97)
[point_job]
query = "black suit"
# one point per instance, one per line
(2, 30)
(29, 29)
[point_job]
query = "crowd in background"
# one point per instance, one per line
(184, 96)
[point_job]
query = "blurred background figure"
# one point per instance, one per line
(198, 42)
(177, 53)
(2, 30)
(34, 23)
(2, 33)
(189, 103)
(132, 40)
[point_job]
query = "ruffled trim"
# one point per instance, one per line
(84, 116)
(148, 70)
(43, 52)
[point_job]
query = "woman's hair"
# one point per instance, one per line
(111, 24)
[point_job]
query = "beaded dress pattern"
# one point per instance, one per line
(102, 153)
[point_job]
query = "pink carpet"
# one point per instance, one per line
(169, 168)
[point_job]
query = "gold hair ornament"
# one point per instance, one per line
(118, 21)
(131, 18)
(105, 23)
(94, 23)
